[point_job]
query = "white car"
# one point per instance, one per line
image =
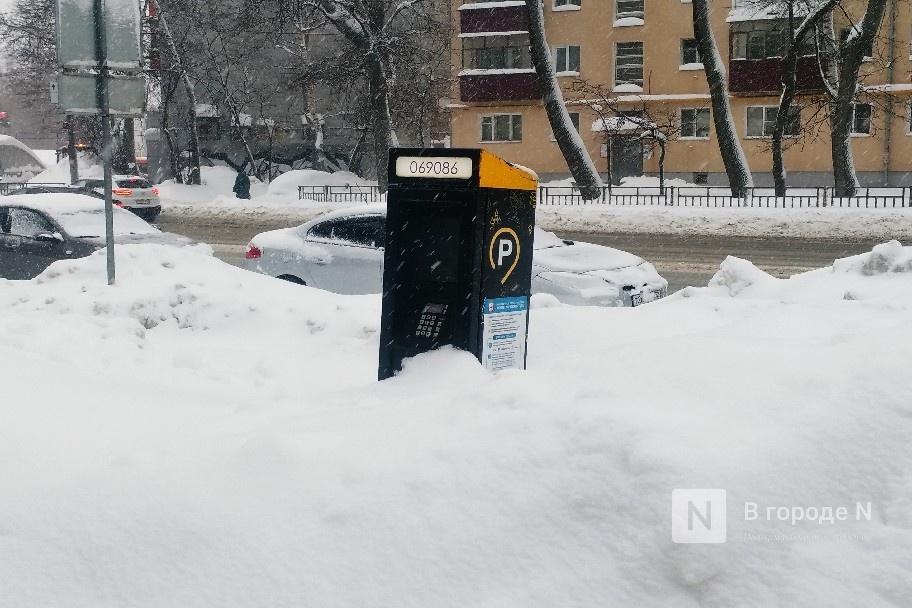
(132, 192)
(342, 252)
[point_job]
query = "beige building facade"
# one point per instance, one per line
(637, 58)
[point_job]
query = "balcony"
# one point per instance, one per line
(475, 18)
(749, 77)
(498, 85)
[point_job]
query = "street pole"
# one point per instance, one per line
(104, 103)
(71, 150)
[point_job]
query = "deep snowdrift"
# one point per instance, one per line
(201, 436)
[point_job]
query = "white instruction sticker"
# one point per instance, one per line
(504, 333)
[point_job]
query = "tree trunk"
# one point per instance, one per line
(380, 118)
(739, 176)
(844, 175)
(849, 54)
(194, 171)
(789, 85)
(568, 138)
(790, 67)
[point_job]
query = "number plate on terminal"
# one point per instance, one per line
(439, 167)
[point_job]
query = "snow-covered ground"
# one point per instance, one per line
(280, 200)
(201, 436)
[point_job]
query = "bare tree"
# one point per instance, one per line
(568, 138)
(840, 62)
(654, 128)
(178, 66)
(797, 35)
(739, 176)
(378, 30)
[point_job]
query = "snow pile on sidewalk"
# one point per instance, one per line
(58, 172)
(832, 222)
(198, 435)
(279, 199)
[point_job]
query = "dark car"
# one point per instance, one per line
(37, 230)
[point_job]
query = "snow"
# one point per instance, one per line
(286, 185)
(628, 22)
(206, 110)
(627, 88)
(59, 172)
(615, 123)
(47, 157)
(199, 435)
(831, 222)
(690, 67)
(760, 12)
(496, 4)
(17, 160)
(492, 34)
(489, 71)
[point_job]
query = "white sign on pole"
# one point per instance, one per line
(76, 34)
(127, 94)
(55, 96)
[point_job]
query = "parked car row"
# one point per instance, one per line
(340, 251)
(343, 252)
(131, 192)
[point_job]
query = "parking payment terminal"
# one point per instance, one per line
(458, 259)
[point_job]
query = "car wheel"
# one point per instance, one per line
(291, 279)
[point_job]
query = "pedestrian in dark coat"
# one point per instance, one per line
(242, 185)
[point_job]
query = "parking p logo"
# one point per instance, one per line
(698, 516)
(506, 243)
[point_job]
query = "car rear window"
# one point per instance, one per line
(133, 182)
(357, 231)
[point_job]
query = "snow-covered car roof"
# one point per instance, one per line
(372, 209)
(53, 203)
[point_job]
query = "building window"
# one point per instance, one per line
(764, 40)
(496, 52)
(628, 8)
(689, 52)
(567, 59)
(761, 121)
(501, 127)
(628, 65)
(695, 123)
(574, 120)
(567, 4)
(861, 118)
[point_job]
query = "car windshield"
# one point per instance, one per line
(91, 223)
(546, 240)
(133, 182)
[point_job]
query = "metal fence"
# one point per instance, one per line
(692, 196)
(341, 194)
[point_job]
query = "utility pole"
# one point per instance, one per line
(91, 38)
(103, 99)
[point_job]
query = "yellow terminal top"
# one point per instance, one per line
(495, 172)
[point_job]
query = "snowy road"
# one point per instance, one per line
(684, 261)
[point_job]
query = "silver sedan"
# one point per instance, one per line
(342, 252)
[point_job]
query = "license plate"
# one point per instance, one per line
(142, 201)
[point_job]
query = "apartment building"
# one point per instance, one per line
(641, 57)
